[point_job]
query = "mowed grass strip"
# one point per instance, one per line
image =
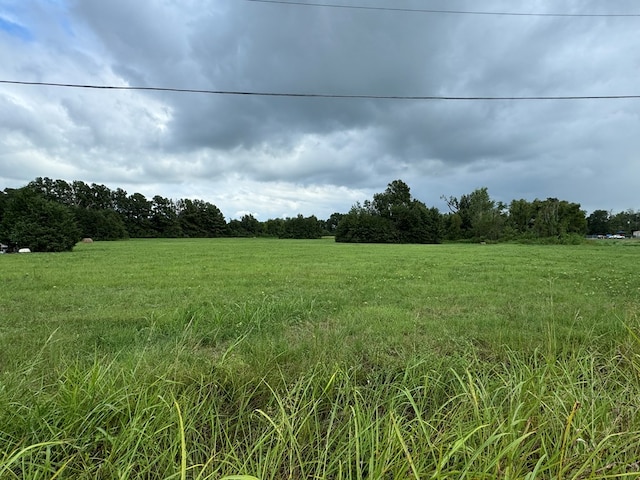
(311, 359)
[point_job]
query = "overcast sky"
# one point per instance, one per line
(280, 156)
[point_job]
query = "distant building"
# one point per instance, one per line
(636, 234)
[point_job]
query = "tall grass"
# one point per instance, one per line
(373, 375)
(530, 416)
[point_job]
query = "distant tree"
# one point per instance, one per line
(426, 225)
(82, 194)
(274, 227)
(301, 227)
(574, 219)
(91, 206)
(234, 228)
(56, 190)
(63, 193)
(554, 218)
(44, 186)
(476, 216)
(598, 223)
(100, 224)
(30, 220)
(396, 198)
(392, 217)
(4, 195)
(164, 217)
(362, 225)
(547, 218)
(247, 226)
(250, 225)
(480, 217)
(120, 201)
(136, 213)
(634, 221)
(101, 197)
(452, 225)
(521, 217)
(331, 223)
(460, 212)
(201, 219)
(626, 221)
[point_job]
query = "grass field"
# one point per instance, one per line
(311, 359)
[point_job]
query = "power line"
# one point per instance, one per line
(318, 95)
(449, 12)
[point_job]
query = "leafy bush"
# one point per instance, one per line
(392, 217)
(41, 225)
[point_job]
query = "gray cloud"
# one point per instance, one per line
(293, 154)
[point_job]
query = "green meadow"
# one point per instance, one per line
(309, 359)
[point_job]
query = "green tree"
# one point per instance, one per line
(555, 218)
(234, 228)
(250, 225)
(332, 222)
(392, 217)
(100, 224)
(30, 220)
(428, 225)
(598, 223)
(82, 194)
(101, 197)
(573, 218)
(44, 186)
(4, 195)
(452, 226)
(201, 219)
(521, 217)
(247, 226)
(136, 212)
(361, 225)
(395, 199)
(63, 193)
(120, 199)
(274, 227)
(164, 217)
(627, 222)
(480, 217)
(301, 227)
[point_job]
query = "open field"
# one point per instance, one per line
(311, 359)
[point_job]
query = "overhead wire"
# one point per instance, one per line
(447, 12)
(361, 96)
(320, 95)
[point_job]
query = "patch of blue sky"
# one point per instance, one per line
(67, 27)
(15, 29)
(62, 7)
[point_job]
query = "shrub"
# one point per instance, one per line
(41, 225)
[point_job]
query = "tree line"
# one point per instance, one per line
(395, 217)
(53, 215)
(603, 222)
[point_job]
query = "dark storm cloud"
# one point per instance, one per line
(279, 148)
(251, 47)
